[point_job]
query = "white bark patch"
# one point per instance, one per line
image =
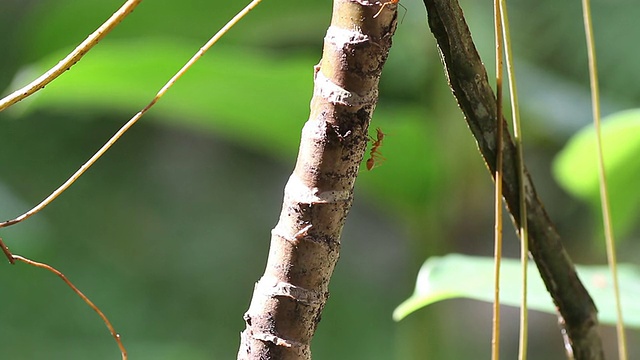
(298, 192)
(274, 339)
(291, 238)
(340, 37)
(337, 95)
(272, 287)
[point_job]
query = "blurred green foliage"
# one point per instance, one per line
(460, 276)
(576, 168)
(169, 231)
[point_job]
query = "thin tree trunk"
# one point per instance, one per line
(468, 81)
(288, 300)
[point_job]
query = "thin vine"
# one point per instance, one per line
(604, 197)
(523, 230)
(49, 199)
(51, 75)
(116, 336)
(71, 59)
(495, 336)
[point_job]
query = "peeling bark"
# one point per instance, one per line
(288, 300)
(468, 80)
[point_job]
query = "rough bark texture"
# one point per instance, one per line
(469, 83)
(288, 300)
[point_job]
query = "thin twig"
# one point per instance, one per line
(73, 57)
(495, 334)
(133, 120)
(604, 197)
(523, 231)
(113, 332)
(7, 252)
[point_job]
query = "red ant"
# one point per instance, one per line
(390, 2)
(375, 154)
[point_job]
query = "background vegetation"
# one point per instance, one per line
(169, 232)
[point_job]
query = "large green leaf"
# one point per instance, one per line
(576, 167)
(459, 276)
(255, 99)
(56, 24)
(251, 98)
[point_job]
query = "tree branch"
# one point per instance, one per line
(288, 300)
(469, 83)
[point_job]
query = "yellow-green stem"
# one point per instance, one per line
(517, 134)
(73, 57)
(495, 337)
(604, 198)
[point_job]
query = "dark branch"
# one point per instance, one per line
(469, 83)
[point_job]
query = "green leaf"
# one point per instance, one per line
(50, 26)
(251, 98)
(460, 276)
(576, 167)
(258, 100)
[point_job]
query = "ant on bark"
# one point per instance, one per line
(374, 154)
(390, 2)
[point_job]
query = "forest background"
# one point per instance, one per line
(169, 232)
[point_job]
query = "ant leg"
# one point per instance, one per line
(385, 4)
